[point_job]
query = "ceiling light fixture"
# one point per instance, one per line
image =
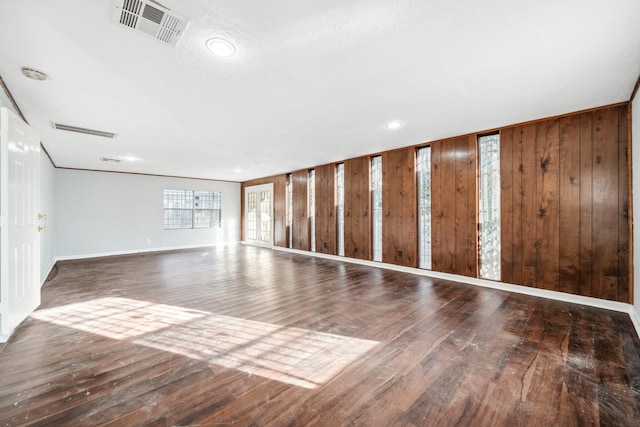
(220, 47)
(34, 74)
(394, 124)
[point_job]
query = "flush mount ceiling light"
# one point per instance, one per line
(34, 74)
(220, 47)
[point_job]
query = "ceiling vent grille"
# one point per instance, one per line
(109, 159)
(84, 130)
(153, 20)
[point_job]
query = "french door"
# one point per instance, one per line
(258, 215)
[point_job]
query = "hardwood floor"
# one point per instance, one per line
(246, 336)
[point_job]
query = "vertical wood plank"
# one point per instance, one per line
(460, 209)
(326, 237)
(548, 240)
(300, 181)
(472, 213)
(528, 203)
(507, 265)
(358, 205)
(605, 204)
(399, 205)
(517, 245)
(569, 204)
(624, 208)
(586, 204)
(448, 162)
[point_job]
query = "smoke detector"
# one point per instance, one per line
(152, 19)
(34, 74)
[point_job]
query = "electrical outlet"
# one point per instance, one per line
(147, 241)
(355, 250)
(325, 244)
(399, 252)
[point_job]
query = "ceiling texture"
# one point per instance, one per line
(311, 82)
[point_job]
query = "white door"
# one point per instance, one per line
(258, 214)
(19, 238)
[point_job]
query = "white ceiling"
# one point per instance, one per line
(311, 82)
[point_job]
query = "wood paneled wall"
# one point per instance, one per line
(454, 214)
(565, 204)
(565, 219)
(326, 225)
(399, 207)
(357, 207)
(300, 220)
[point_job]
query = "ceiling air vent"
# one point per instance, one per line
(84, 130)
(153, 20)
(109, 159)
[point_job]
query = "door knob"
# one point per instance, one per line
(41, 228)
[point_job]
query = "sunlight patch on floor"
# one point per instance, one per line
(117, 318)
(296, 356)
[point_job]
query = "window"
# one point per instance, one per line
(376, 201)
(340, 206)
(192, 209)
(289, 211)
(424, 207)
(312, 208)
(489, 206)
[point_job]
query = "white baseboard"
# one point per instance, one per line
(635, 319)
(44, 278)
(542, 293)
(135, 251)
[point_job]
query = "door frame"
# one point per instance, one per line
(257, 189)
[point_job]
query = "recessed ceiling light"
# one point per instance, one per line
(34, 74)
(220, 47)
(394, 124)
(237, 170)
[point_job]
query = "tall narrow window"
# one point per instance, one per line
(489, 206)
(312, 208)
(340, 206)
(289, 211)
(376, 201)
(424, 207)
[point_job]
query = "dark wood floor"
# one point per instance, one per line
(245, 336)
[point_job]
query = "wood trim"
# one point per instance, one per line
(12, 99)
(17, 108)
(149, 174)
(635, 90)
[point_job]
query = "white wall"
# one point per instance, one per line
(47, 207)
(635, 170)
(99, 213)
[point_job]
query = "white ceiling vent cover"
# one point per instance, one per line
(153, 20)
